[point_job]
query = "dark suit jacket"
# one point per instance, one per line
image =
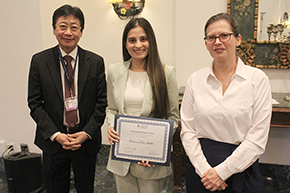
(45, 98)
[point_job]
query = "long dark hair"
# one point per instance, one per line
(154, 67)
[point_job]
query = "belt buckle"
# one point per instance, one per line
(72, 130)
(67, 128)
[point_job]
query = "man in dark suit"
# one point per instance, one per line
(67, 99)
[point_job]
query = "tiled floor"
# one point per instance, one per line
(277, 178)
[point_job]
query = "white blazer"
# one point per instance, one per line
(116, 84)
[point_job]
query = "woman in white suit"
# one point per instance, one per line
(140, 86)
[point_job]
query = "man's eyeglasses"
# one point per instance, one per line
(225, 37)
(73, 28)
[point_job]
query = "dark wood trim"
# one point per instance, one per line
(280, 117)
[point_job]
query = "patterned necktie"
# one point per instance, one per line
(71, 116)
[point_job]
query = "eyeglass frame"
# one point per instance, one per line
(230, 36)
(68, 26)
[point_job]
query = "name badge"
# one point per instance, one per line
(71, 103)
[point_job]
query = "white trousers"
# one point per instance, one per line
(131, 184)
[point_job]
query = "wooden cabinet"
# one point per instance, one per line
(281, 111)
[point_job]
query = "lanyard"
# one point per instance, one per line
(70, 81)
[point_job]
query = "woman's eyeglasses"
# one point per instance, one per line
(225, 37)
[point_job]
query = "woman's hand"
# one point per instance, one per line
(145, 164)
(212, 181)
(113, 136)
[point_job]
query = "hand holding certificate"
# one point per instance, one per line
(143, 139)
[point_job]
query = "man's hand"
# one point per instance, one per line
(72, 141)
(212, 181)
(61, 138)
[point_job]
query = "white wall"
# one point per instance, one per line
(20, 37)
(26, 29)
(191, 53)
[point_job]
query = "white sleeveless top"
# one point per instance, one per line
(134, 93)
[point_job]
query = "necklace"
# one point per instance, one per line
(139, 80)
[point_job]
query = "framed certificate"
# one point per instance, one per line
(143, 138)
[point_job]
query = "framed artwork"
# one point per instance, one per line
(265, 54)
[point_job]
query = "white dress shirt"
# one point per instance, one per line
(239, 116)
(73, 54)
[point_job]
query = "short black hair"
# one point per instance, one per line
(67, 10)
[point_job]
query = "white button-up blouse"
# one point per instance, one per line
(239, 116)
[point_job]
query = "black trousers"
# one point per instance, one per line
(248, 181)
(57, 171)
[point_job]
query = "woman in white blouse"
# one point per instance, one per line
(225, 115)
(140, 86)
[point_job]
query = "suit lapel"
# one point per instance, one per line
(54, 69)
(120, 86)
(53, 64)
(84, 67)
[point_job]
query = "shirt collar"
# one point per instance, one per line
(73, 53)
(240, 70)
